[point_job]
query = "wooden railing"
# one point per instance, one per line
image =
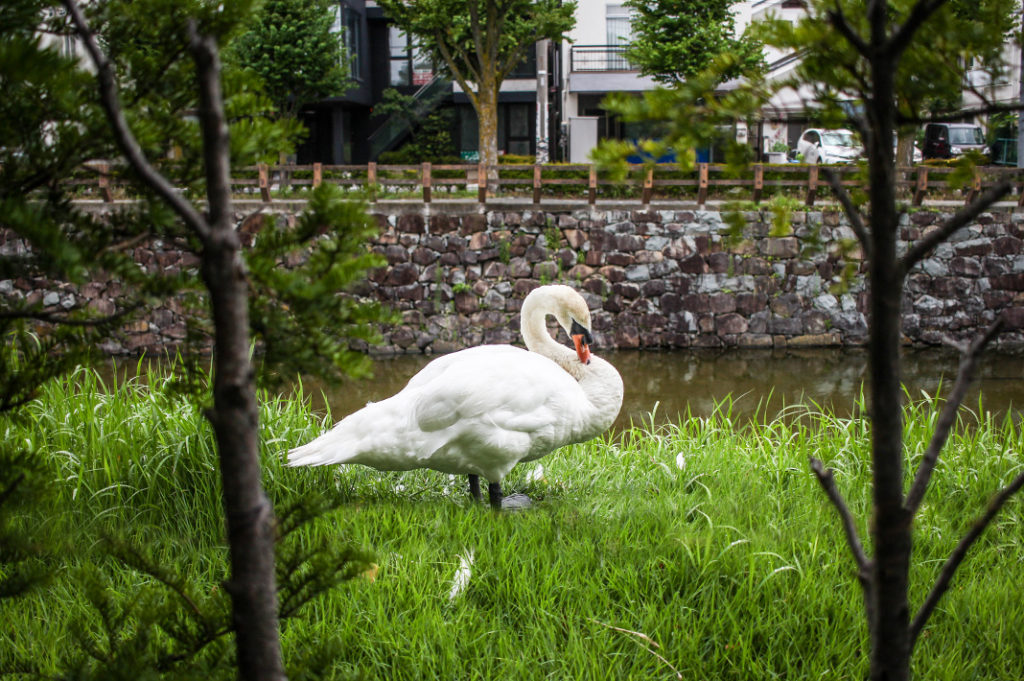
(700, 184)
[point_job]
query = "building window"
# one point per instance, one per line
(408, 65)
(518, 129)
(619, 28)
(352, 37)
(527, 68)
(348, 24)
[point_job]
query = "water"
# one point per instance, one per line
(761, 382)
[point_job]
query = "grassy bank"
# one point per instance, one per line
(704, 549)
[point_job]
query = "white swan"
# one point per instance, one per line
(481, 411)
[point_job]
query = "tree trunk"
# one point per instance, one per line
(890, 609)
(487, 124)
(905, 151)
(234, 417)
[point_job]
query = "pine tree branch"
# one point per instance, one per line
(903, 36)
(214, 127)
(122, 132)
(837, 18)
(958, 555)
(965, 375)
(960, 114)
(929, 241)
(827, 479)
(10, 488)
(852, 213)
(55, 318)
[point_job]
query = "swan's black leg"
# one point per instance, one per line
(494, 493)
(474, 487)
(513, 502)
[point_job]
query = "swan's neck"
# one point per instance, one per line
(533, 326)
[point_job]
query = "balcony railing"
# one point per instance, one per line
(599, 58)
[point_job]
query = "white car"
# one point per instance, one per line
(829, 146)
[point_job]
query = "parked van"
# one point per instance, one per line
(950, 140)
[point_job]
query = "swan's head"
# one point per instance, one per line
(573, 315)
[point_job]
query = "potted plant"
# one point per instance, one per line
(778, 152)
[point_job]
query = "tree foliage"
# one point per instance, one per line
(676, 39)
(291, 46)
(878, 67)
(479, 43)
(155, 86)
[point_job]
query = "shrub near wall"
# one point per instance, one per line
(670, 279)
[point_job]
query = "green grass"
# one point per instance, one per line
(706, 547)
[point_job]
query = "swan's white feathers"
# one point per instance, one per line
(482, 410)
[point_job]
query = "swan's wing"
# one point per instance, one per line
(500, 385)
(492, 409)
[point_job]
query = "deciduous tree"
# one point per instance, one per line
(479, 43)
(892, 59)
(291, 46)
(676, 39)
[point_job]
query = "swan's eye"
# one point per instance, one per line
(578, 329)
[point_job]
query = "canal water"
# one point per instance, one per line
(756, 383)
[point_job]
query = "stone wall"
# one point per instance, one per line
(662, 278)
(669, 278)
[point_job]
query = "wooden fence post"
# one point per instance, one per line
(481, 181)
(103, 183)
(702, 184)
(371, 180)
(922, 185)
(592, 185)
(975, 187)
(425, 179)
(645, 197)
(536, 184)
(318, 174)
(812, 185)
(758, 181)
(264, 182)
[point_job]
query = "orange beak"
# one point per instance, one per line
(582, 349)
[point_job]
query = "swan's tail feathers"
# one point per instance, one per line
(327, 449)
(313, 454)
(341, 444)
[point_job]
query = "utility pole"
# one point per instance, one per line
(542, 101)
(1020, 98)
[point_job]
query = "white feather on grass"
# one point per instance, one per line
(462, 575)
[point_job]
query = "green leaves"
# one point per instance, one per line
(674, 40)
(292, 48)
(305, 316)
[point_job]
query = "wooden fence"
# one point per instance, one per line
(558, 181)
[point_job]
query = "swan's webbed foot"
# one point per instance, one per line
(499, 502)
(516, 502)
(474, 487)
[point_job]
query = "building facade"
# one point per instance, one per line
(580, 72)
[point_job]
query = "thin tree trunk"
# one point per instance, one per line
(234, 416)
(890, 625)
